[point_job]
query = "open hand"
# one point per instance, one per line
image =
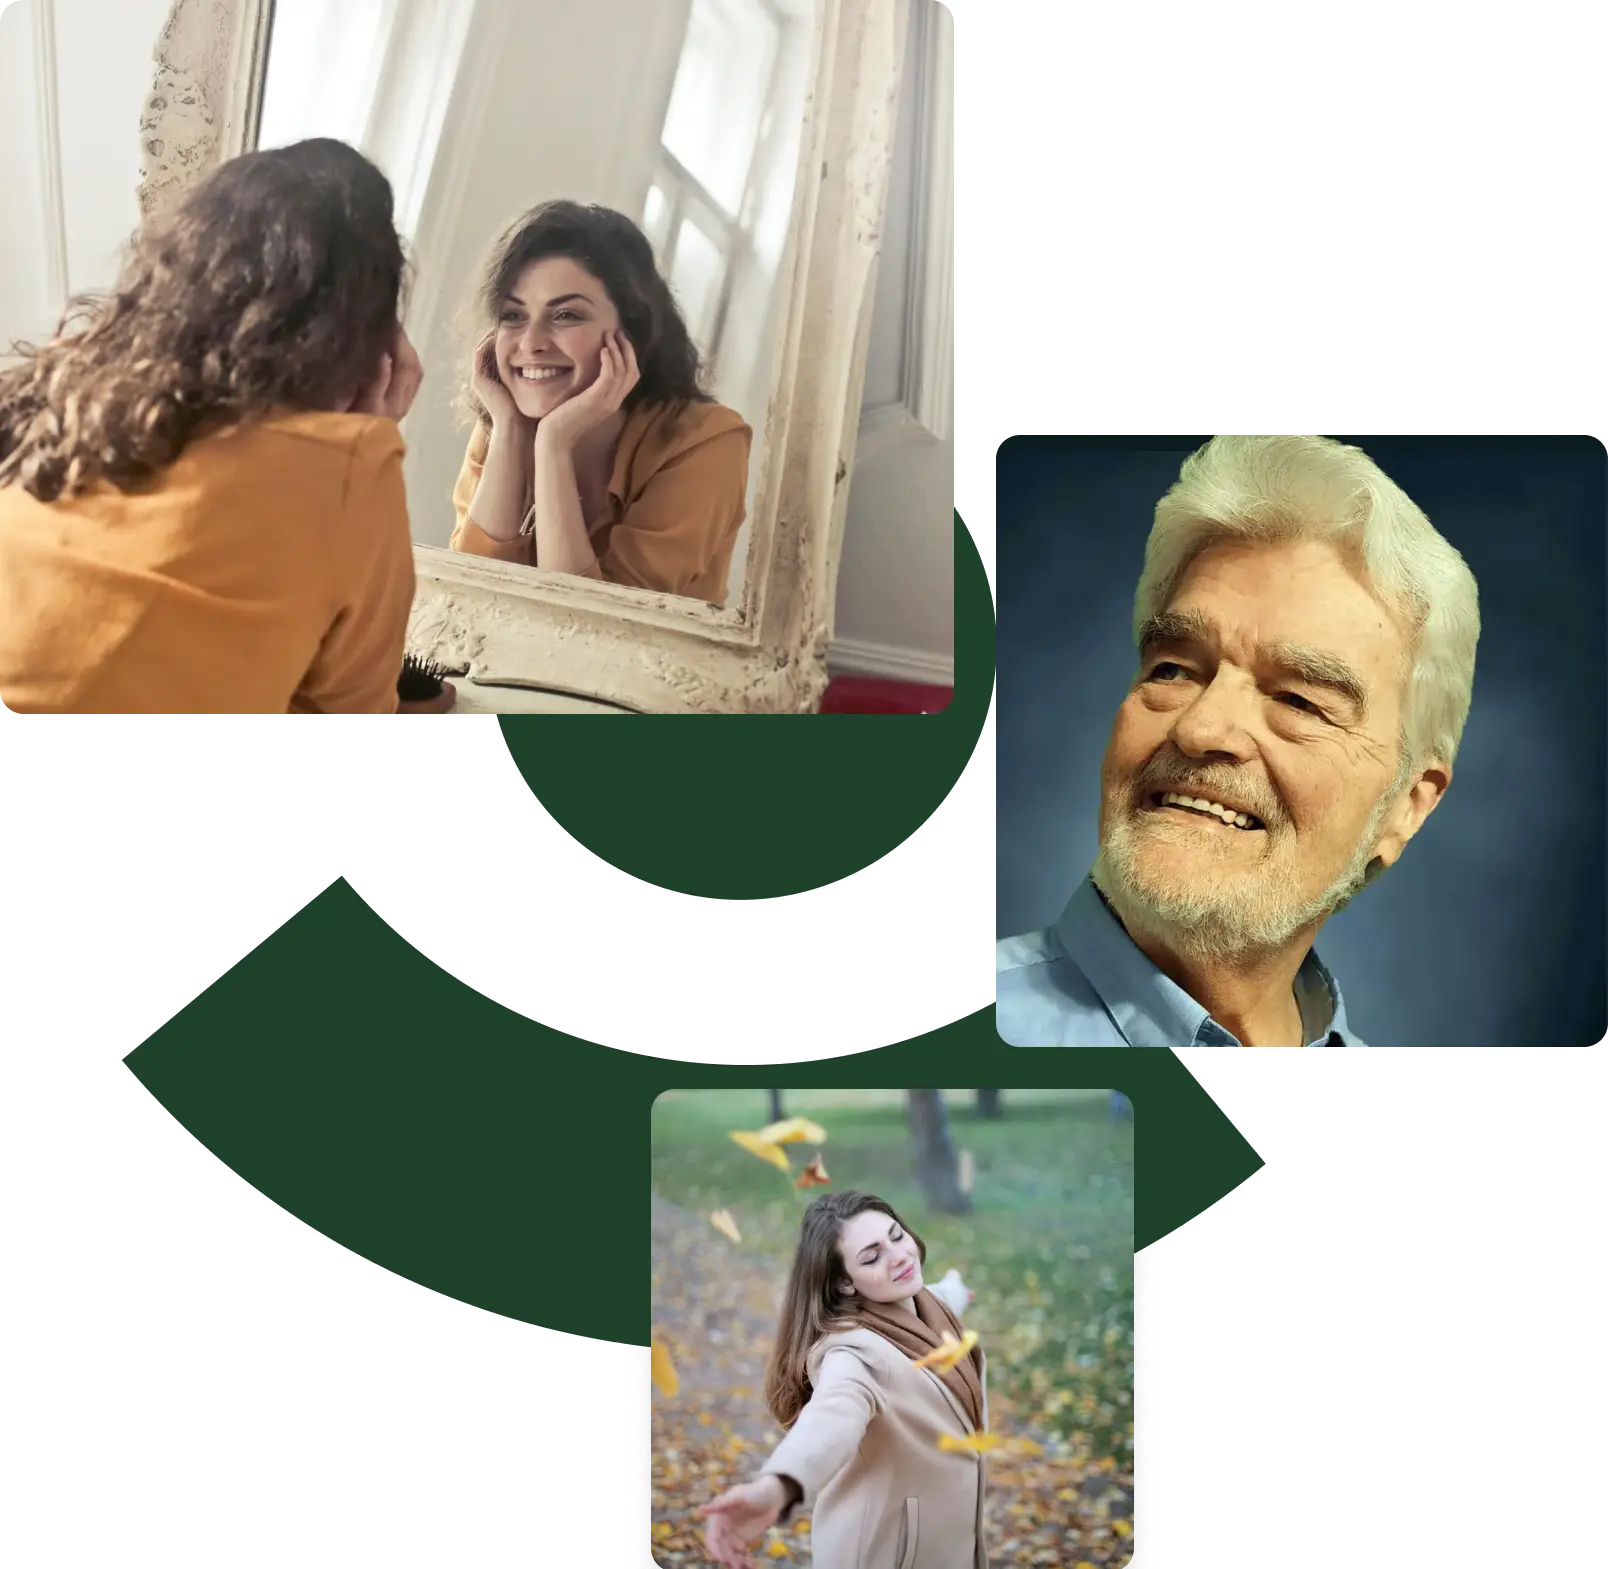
(739, 1517)
(617, 374)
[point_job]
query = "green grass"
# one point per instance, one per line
(1048, 1248)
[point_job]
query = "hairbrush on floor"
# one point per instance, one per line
(422, 687)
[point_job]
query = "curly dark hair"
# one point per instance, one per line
(617, 253)
(274, 283)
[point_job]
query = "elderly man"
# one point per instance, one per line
(1306, 658)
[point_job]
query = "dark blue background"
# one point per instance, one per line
(1492, 929)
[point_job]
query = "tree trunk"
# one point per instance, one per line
(988, 1104)
(776, 1105)
(937, 1165)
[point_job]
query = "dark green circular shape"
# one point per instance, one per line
(768, 804)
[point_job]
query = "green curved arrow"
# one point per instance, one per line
(449, 1139)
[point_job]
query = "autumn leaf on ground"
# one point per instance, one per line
(757, 1144)
(794, 1130)
(971, 1444)
(949, 1351)
(723, 1223)
(777, 1548)
(813, 1175)
(664, 1371)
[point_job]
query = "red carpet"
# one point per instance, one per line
(872, 695)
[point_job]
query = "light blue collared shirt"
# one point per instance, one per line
(1085, 982)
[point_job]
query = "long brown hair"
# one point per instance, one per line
(617, 253)
(812, 1305)
(273, 283)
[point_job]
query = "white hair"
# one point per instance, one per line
(1266, 488)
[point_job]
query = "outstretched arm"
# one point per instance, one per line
(822, 1441)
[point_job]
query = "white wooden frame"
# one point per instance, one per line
(654, 653)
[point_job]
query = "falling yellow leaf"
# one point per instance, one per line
(664, 1371)
(949, 1351)
(794, 1130)
(813, 1175)
(971, 1444)
(723, 1223)
(1026, 1446)
(755, 1144)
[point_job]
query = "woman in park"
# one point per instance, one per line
(863, 1422)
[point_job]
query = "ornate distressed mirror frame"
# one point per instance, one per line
(654, 653)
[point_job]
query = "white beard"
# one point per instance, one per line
(1252, 912)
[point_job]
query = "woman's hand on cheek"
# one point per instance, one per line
(489, 386)
(617, 374)
(407, 375)
(395, 384)
(370, 399)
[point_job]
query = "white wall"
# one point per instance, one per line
(26, 303)
(896, 583)
(103, 70)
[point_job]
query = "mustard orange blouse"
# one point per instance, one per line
(676, 499)
(268, 570)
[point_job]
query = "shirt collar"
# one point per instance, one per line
(1152, 1010)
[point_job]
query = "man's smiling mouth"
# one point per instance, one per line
(1201, 806)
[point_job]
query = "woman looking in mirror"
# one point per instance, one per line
(597, 452)
(201, 499)
(863, 1422)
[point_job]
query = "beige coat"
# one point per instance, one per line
(883, 1495)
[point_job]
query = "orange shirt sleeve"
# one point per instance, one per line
(669, 534)
(468, 536)
(356, 668)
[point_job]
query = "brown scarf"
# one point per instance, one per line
(917, 1336)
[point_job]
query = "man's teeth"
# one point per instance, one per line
(1195, 803)
(543, 372)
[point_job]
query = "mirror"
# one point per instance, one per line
(640, 496)
(684, 119)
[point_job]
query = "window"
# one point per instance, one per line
(716, 151)
(376, 74)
